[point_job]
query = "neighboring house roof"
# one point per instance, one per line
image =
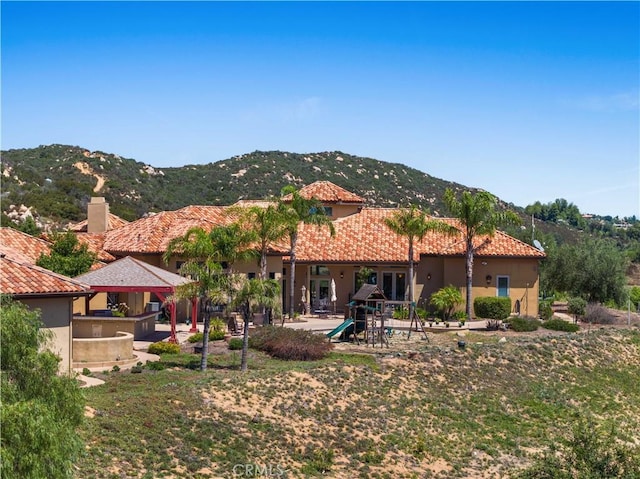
(29, 246)
(260, 203)
(328, 192)
(113, 222)
(130, 274)
(21, 278)
(364, 237)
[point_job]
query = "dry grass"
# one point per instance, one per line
(416, 409)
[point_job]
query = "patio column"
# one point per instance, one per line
(194, 315)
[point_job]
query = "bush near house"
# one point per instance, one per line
(545, 310)
(522, 324)
(557, 324)
(214, 335)
(577, 307)
(491, 307)
(164, 348)
(290, 344)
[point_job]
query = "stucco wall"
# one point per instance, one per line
(56, 315)
(93, 350)
(92, 326)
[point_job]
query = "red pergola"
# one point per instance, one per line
(130, 275)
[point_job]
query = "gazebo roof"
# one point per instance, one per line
(131, 275)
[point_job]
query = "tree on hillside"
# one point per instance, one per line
(478, 217)
(40, 409)
(204, 251)
(593, 269)
(68, 256)
(413, 223)
(300, 210)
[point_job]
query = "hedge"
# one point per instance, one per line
(560, 325)
(163, 348)
(522, 324)
(492, 307)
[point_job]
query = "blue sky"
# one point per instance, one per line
(528, 100)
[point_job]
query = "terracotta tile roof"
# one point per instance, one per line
(153, 233)
(20, 278)
(328, 192)
(95, 244)
(129, 272)
(113, 222)
(29, 246)
(364, 237)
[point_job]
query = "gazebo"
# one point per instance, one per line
(130, 275)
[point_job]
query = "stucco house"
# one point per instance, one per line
(504, 266)
(40, 289)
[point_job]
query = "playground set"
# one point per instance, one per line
(370, 315)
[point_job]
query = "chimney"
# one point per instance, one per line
(97, 215)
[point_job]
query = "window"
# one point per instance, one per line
(251, 275)
(319, 270)
(272, 275)
(328, 210)
(503, 286)
(394, 285)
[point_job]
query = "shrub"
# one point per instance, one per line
(634, 295)
(290, 344)
(163, 347)
(598, 314)
(235, 344)
(214, 335)
(545, 310)
(522, 324)
(445, 301)
(557, 324)
(492, 307)
(155, 366)
(577, 307)
(86, 372)
(588, 453)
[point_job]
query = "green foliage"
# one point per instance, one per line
(577, 307)
(214, 335)
(634, 295)
(40, 409)
(235, 344)
(290, 344)
(29, 227)
(445, 300)
(68, 257)
(558, 324)
(478, 215)
(492, 307)
(163, 347)
(589, 453)
(523, 324)
(557, 211)
(545, 310)
(593, 269)
(319, 461)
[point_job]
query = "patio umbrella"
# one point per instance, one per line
(334, 298)
(304, 298)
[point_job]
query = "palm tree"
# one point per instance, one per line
(254, 293)
(300, 210)
(204, 251)
(212, 286)
(268, 225)
(478, 217)
(413, 223)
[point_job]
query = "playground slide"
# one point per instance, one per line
(340, 328)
